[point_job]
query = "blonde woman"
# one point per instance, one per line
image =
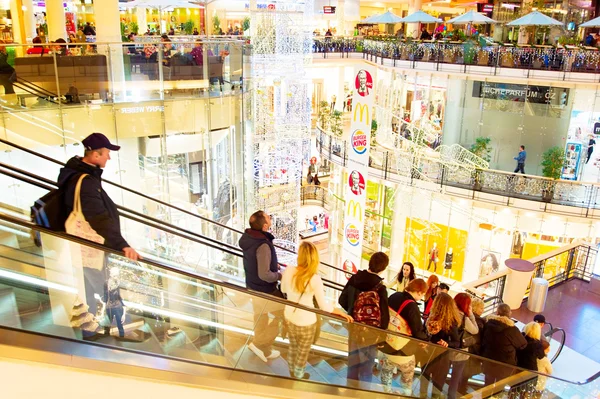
(527, 357)
(302, 284)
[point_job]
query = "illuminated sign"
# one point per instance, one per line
(363, 82)
(362, 108)
(141, 110)
(328, 9)
(359, 139)
(352, 234)
(354, 208)
(356, 182)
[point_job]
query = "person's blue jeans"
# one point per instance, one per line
(458, 368)
(117, 313)
(520, 168)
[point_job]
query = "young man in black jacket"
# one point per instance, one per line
(97, 207)
(500, 341)
(362, 342)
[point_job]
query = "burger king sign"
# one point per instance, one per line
(359, 141)
(352, 234)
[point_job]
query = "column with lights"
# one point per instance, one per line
(277, 113)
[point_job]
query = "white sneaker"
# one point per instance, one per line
(274, 354)
(258, 352)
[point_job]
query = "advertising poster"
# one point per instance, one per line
(436, 247)
(570, 169)
(363, 93)
(490, 263)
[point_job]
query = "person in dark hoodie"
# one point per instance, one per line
(262, 274)
(500, 341)
(362, 341)
(97, 207)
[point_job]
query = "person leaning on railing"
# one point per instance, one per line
(37, 48)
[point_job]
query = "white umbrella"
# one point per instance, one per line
(535, 18)
(472, 17)
(368, 19)
(593, 23)
(420, 16)
(161, 5)
(385, 18)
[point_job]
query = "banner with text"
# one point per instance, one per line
(358, 165)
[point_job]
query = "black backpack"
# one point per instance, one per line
(50, 212)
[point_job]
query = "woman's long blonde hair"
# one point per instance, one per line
(533, 330)
(445, 312)
(308, 265)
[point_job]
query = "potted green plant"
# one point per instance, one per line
(483, 149)
(324, 114)
(134, 28)
(246, 26)
(552, 165)
(188, 27)
(373, 132)
(216, 25)
(336, 123)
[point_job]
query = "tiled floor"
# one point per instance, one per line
(573, 308)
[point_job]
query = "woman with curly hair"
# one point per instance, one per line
(442, 325)
(405, 276)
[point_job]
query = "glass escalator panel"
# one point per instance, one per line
(68, 289)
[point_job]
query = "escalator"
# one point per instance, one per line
(35, 90)
(175, 319)
(197, 226)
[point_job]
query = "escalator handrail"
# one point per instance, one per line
(562, 341)
(40, 90)
(47, 158)
(245, 291)
(156, 223)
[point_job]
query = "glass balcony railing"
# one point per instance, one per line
(399, 167)
(470, 53)
(52, 75)
(200, 245)
(65, 291)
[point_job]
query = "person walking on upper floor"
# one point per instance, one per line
(590, 149)
(403, 278)
(362, 341)
(500, 341)
(302, 284)
(97, 207)
(521, 160)
(527, 357)
(262, 275)
(398, 353)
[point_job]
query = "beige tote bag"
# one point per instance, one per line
(77, 226)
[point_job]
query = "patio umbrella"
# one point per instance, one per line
(420, 16)
(161, 5)
(368, 19)
(592, 23)
(535, 19)
(471, 17)
(385, 18)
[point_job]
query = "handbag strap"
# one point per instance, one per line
(301, 295)
(77, 196)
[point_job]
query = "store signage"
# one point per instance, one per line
(141, 110)
(597, 128)
(358, 165)
(355, 210)
(352, 234)
(358, 140)
(261, 6)
(350, 267)
(519, 93)
(328, 9)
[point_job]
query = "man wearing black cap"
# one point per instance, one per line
(99, 210)
(97, 207)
